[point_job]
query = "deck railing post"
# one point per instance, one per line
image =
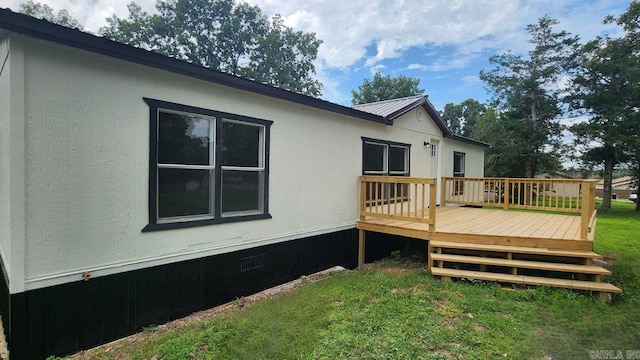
(585, 213)
(432, 206)
(363, 198)
(506, 194)
(443, 191)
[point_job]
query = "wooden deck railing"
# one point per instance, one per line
(399, 198)
(562, 195)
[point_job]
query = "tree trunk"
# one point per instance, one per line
(528, 161)
(606, 193)
(528, 167)
(638, 187)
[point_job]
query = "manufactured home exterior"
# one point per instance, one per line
(136, 188)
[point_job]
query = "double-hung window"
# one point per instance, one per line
(205, 166)
(385, 158)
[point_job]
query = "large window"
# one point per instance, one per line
(458, 171)
(205, 166)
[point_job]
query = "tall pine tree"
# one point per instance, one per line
(524, 89)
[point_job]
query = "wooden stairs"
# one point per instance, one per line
(571, 269)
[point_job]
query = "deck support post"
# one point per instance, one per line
(429, 261)
(514, 271)
(605, 296)
(361, 239)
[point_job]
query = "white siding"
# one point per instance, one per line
(12, 163)
(87, 166)
(474, 158)
(5, 128)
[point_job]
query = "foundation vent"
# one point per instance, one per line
(252, 263)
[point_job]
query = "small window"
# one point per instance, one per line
(434, 150)
(205, 166)
(458, 171)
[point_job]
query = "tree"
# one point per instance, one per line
(505, 135)
(607, 86)
(220, 34)
(385, 88)
(523, 89)
(44, 11)
(461, 118)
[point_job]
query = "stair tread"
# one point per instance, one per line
(575, 268)
(527, 280)
(515, 249)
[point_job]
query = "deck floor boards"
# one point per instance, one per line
(495, 226)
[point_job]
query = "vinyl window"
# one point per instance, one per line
(205, 166)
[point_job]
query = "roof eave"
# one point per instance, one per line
(468, 140)
(42, 29)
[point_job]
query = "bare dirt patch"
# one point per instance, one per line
(397, 270)
(443, 352)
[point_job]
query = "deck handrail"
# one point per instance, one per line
(560, 195)
(399, 198)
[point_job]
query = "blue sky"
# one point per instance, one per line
(444, 43)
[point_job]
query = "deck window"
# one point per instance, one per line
(205, 166)
(385, 158)
(380, 157)
(458, 171)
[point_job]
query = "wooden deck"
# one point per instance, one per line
(491, 243)
(490, 226)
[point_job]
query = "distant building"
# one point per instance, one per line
(622, 187)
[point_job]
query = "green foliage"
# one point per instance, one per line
(606, 87)
(385, 88)
(44, 11)
(461, 118)
(524, 95)
(397, 255)
(226, 36)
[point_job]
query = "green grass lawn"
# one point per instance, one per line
(396, 310)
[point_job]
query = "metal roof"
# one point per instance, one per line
(392, 108)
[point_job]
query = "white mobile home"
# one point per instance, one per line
(136, 188)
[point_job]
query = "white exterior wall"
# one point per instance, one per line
(474, 158)
(5, 128)
(87, 165)
(421, 129)
(12, 160)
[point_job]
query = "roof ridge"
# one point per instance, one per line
(391, 100)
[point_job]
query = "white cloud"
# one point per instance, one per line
(380, 34)
(388, 28)
(91, 14)
(376, 68)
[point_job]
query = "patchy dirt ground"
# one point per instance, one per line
(225, 309)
